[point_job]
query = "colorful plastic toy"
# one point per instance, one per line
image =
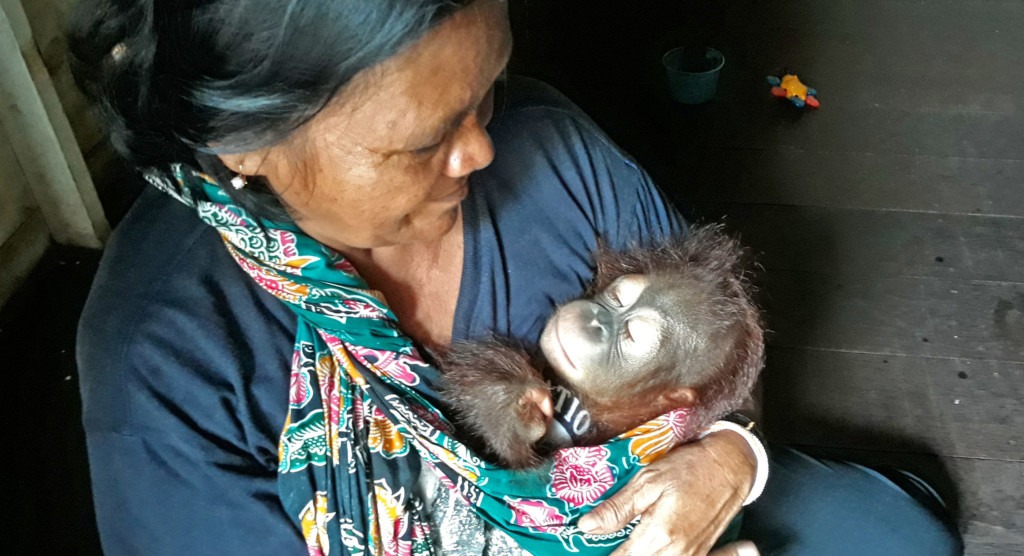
(791, 88)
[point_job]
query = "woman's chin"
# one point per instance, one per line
(437, 227)
(448, 220)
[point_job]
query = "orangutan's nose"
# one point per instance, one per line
(598, 322)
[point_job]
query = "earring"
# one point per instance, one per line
(239, 181)
(118, 52)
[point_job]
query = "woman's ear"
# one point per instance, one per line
(247, 163)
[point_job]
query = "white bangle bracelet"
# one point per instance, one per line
(761, 477)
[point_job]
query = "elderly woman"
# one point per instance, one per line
(339, 182)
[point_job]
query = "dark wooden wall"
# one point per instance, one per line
(890, 222)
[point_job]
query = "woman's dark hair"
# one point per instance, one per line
(185, 80)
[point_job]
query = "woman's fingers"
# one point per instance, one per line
(671, 527)
(685, 500)
(616, 512)
(646, 538)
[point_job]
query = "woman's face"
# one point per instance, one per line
(387, 162)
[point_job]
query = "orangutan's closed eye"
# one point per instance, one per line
(662, 328)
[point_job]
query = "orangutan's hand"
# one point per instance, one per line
(685, 500)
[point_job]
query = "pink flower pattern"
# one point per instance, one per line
(679, 421)
(345, 266)
(287, 240)
(362, 310)
(581, 475)
(390, 363)
(300, 390)
(277, 286)
(535, 514)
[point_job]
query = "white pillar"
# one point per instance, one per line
(42, 139)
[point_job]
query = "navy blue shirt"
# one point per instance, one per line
(185, 361)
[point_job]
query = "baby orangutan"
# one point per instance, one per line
(672, 326)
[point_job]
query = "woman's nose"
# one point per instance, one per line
(473, 150)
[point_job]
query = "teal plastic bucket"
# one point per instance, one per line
(692, 73)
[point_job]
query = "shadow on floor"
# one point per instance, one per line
(37, 345)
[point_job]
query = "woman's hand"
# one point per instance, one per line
(685, 500)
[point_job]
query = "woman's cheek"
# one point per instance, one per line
(427, 177)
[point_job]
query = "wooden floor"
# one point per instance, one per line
(890, 222)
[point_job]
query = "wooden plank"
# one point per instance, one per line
(953, 407)
(875, 80)
(921, 56)
(992, 502)
(874, 74)
(768, 124)
(849, 180)
(959, 18)
(613, 69)
(917, 56)
(896, 316)
(847, 242)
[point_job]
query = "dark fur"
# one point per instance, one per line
(485, 380)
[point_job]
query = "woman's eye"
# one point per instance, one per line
(429, 149)
(485, 111)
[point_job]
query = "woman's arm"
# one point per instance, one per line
(184, 367)
(184, 495)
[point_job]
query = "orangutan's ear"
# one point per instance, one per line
(680, 398)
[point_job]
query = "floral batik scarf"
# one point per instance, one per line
(363, 414)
